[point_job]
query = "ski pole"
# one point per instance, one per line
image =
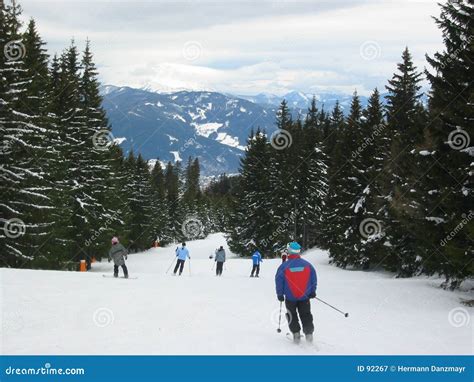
(170, 267)
(279, 319)
(189, 267)
(214, 263)
(340, 311)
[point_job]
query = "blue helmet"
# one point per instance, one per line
(294, 248)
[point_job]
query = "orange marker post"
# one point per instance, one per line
(83, 266)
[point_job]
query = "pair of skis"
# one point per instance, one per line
(121, 277)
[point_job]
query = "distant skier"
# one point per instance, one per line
(256, 260)
(117, 253)
(296, 283)
(181, 253)
(220, 260)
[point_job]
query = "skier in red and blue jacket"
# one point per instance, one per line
(296, 283)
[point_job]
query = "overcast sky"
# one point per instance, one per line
(243, 47)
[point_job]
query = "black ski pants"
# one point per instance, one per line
(124, 267)
(180, 265)
(303, 310)
(255, 269)
(219, 266)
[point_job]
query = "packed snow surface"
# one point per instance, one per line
(51, 312)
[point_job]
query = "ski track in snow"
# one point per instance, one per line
(51, 312)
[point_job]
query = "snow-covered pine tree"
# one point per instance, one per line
(105, 198)
(25, 203)
(373, 153)
(406, 118)
(251, 225)
(346, 185)
(139, 221)
(314, 187)
(284, 179)
(160, 212)
(446, 199)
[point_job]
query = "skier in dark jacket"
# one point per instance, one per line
(220, 260)
(118, 253)
(256, 260)
(296, 283)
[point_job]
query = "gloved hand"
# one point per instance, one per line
(126, 257)
(312, 295)
(281, 298)
(108, 259)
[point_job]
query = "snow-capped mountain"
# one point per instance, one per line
(174, 126)
(209, 125)
(300, 101)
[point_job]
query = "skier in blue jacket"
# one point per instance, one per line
(296, 283)
(256, 260)
(181, 253)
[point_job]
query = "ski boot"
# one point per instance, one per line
(296, 337)
(115, 275)
(309, 337)
(125, 276)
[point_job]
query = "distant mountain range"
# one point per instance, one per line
(210, 125)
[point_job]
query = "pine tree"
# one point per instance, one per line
(406, 118)
(446, 153)
(373, 153)
(313, 189)
(345, 188)
(251, 225)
